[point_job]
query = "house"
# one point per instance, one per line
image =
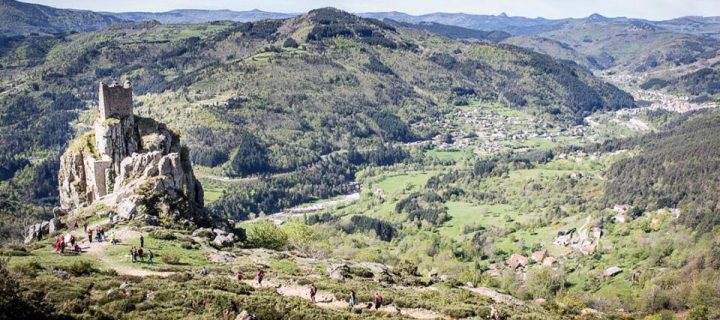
(587, 249)
(517, 260)
(538, 256)
(549, 261)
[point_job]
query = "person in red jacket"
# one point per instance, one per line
(378, 301)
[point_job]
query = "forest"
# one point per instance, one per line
(676, 168)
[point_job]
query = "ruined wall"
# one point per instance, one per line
(115, 101)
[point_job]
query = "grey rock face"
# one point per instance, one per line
(223, 238)
(132, 166)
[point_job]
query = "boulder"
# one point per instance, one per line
(338, 271)
(612, 271)
(244, 315)
(31, 232)
(381, 273)
(53, 225)
(223, 238)
(222, 257)
(204, 233)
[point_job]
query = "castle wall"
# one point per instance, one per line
(115, 101)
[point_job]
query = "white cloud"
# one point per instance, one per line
(652, 9)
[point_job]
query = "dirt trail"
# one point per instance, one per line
(98, 249)
(327, 300)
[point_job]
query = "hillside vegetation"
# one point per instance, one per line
(19, 18)
(677, 168)
(271, 96)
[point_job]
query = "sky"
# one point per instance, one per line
(649, 9)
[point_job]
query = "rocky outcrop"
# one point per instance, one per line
(132, 166)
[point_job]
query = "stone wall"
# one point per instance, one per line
(115, 101)
(116, 139)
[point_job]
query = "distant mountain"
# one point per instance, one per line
(19, 18)
(503, 22)
(453, 31)
(200, 16)
(632, 45)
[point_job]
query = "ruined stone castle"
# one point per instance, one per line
(132, 166)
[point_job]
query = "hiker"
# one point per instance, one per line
(39, 234)
(150, 257)
(97, 234)
(239, 275)
(133, 253)
(378, 301)
(110, 217)
(72, 241)
(260, 276)
(62, 246)
(89, 232)
(77, 248)
(112, 238)
(142, 241)
(204, 271)
(313, 292)
(85, 225)
(352, 299)
(57, 245)
(102, 234)
(140, 254)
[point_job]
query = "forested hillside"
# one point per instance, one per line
(271, 96)
(677, 168)
(20, 18)
(702, 85)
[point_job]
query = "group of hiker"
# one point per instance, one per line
(138, 253)
(260, 276)
(99, 234)
(63, 242)
(352, 298)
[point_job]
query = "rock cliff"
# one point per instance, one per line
(132, 166)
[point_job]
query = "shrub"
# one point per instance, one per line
(699, 313)
(170, 258)
(80, 268)
(163, 235)
(181, 277)
(545, 283)
(290, 43)
(265, 234)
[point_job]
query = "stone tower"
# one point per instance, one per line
(131, 165)
(115, 100)
(114, 129)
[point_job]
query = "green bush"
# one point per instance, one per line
(181, 276)
(265, 234)
(699, 313)
(545, 282)
(80, 268)
(163, 235)
(170, 258)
